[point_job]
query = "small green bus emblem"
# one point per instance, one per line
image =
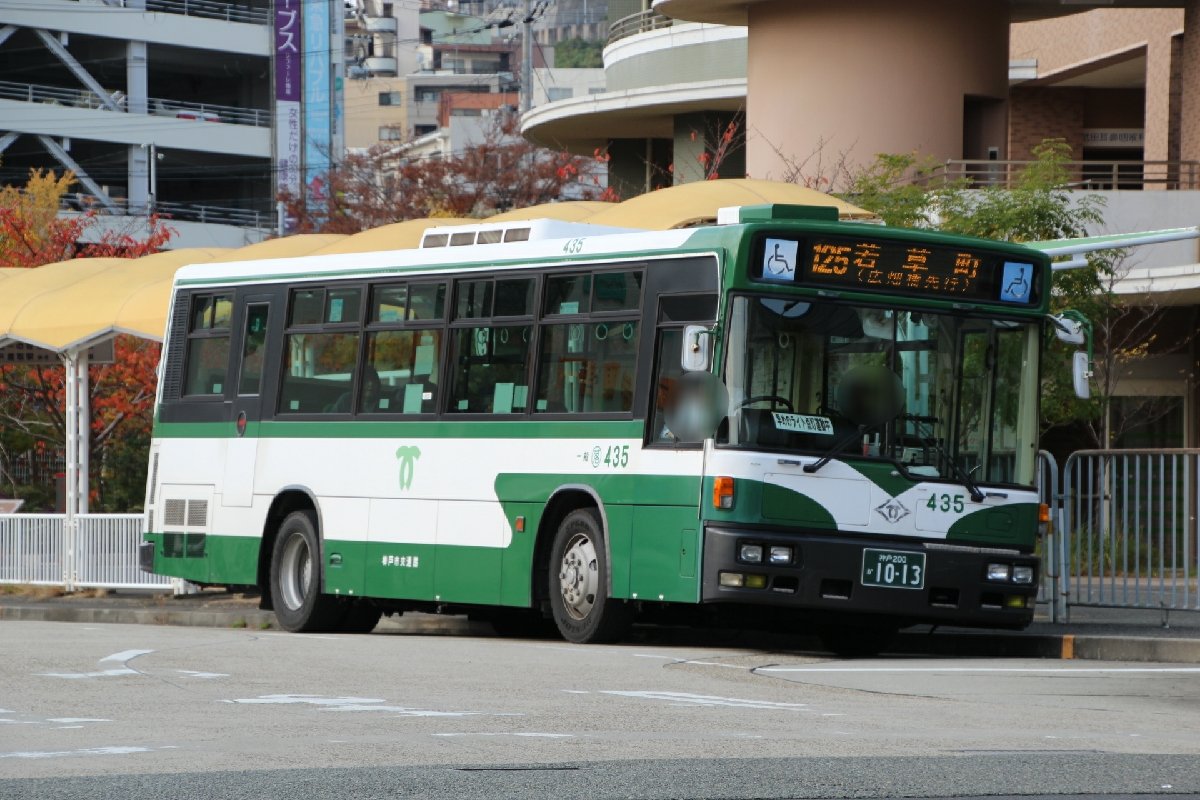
(408, 456)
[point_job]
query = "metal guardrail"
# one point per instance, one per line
(161, 107)
(1086, 175)
(641, 22)
(1130, 517)
(39, 549)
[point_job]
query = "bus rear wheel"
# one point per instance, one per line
(579, 600)
(296, 578)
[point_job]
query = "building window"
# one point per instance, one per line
(421, 130)
(559, 93)
(390, 133)
(391, 99)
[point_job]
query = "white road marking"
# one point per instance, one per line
(193, 674)
(107, 673)
(87, 751)
(357, 704)
(686, 698)
(73, 720)
(987, 670)
(122, 657)
(125, 655)
(17, 722)
(576, 691)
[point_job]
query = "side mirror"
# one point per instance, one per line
(1068, 330)
(697, 349)
(1080, 374)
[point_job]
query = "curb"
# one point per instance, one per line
(250, 619)
(1065, 646)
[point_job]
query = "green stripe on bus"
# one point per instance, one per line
(522, 428)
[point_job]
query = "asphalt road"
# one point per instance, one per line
(121, 711)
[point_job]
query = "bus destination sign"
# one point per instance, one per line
(883, 265)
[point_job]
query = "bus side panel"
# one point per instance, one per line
(665, 554)
(620, 539)
(516, 560)
(399, 554)
(471, 535)
(343, 527)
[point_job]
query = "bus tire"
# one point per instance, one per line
(579, 601)
(296, 578)
(361, 617)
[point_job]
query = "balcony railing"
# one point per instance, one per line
(212, 9)
(178, 109)
(184, 212)
(641, 22)
(1085, 175)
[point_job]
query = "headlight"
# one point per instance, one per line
(750, 553)
(1022, 574)
(781, 555)
(998, 572)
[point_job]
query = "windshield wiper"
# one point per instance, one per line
(963, 476)
(836, 446)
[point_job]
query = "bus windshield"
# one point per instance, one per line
(945, 396)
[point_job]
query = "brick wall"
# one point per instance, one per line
(1039, 113)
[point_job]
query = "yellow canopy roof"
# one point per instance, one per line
(697, 203)
(570, 211)
(78, 302)
(302, 244)
(397, 236)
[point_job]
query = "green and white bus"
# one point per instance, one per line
(824, 423)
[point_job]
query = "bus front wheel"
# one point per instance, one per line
(296, 578)
(579, 599)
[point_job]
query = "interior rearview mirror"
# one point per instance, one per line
(1080, 374)
(697, 348)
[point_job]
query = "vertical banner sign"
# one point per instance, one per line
(317, 95)
(287, 96)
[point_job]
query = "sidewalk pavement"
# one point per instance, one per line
(1092, 633)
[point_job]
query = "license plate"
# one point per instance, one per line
(893, 569)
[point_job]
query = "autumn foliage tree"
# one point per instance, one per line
(32, 426)
(387, 184)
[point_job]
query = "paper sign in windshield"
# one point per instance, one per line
(802, 423)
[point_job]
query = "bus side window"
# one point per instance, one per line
(253, 339)
(587, 367)
(491, 372)
(208, 345)
(406, 362)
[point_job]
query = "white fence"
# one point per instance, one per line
(102, 552)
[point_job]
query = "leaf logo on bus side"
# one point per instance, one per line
(408, 456)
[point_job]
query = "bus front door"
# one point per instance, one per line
(241, 453)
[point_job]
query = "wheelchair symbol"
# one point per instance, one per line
(777, 264)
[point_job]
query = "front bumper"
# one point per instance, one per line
(826, 577)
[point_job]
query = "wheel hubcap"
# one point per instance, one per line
(295, 571)
(578, 576)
